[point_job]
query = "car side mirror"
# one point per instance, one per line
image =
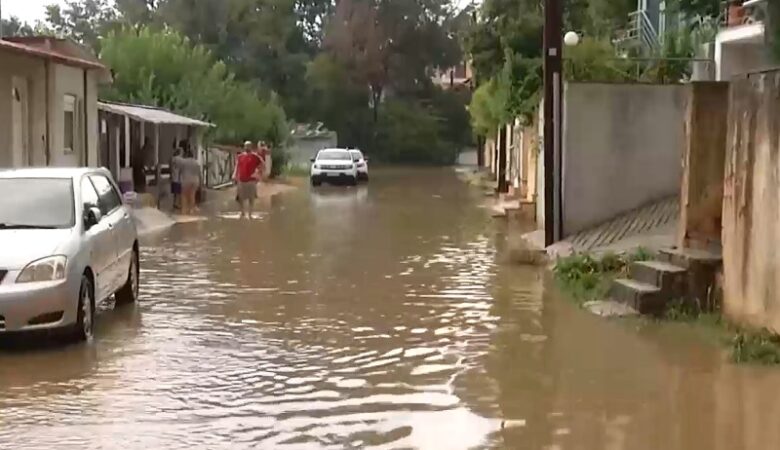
(365, 158)
(312, 159)
(92, 217)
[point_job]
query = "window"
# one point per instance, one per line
(89, 196)
(335, 155)
(69, 123)
(109, 199)
(46, 203)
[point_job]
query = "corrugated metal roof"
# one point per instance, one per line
(151, 114)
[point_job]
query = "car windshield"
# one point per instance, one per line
(335, 155)
(36, 203)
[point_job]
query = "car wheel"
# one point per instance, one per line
(315, 182)
(353, 181)
(85, 318)
(129, 292)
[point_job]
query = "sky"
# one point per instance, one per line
(28, 10)
(33, 10)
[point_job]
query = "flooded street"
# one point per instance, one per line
(381, 316)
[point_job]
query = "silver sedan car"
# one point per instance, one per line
(68, 243)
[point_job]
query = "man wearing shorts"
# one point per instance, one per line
(248, 169)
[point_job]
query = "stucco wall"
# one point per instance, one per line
(751, 203)
(33, 70)
(701, 196)
(62, 80)
(739, 59)
(70, 81)
(622, 146)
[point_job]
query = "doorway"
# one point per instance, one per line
(20, 120)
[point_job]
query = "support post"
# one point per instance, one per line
(157, 173)
(480, 151)
(127, 141)
(553, 24)
(503, 187)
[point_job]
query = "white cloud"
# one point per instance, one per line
(27, 10)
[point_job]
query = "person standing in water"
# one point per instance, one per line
(190, 181)
(249, 166)
(176, 163)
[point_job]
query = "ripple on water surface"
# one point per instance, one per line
(237, 343)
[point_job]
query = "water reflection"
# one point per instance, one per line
(371, 316)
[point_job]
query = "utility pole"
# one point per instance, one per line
(553, 87)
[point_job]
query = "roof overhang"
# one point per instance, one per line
(153, 115)
(51, 55)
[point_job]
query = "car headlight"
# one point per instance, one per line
(46, 269)
(316, 167)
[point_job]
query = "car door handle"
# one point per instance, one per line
(110, 226)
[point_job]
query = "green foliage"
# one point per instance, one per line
(163, 68)
(327, 61)
(595, 60)
(693, 8)
(84, 21)
(410, 133)
(280, 161)
(486, 109)
(15, 27)
(773, 27)
(586, 277)
(761, 347)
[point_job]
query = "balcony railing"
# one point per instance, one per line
(640, 34)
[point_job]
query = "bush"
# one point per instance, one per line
(408, 133)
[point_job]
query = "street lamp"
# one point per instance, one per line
(571, 39)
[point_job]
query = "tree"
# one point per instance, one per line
(264, 41)
(84, 21)
(15, 27)
(164, 68)
(358, 41)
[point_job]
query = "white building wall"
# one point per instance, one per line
(67, 80)
(32, 70)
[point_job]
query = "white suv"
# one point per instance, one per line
(333, 165)
(361, 162)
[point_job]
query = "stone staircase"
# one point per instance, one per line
(687, 275)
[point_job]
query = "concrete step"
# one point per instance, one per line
(643, 297)
(701, 286)
(686, 258)
(669, 277)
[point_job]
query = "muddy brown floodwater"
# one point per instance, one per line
(375, 317)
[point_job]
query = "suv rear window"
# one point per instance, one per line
(335, 155)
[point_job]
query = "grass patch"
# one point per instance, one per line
(745, 347)
(762, 347)
(585, 277)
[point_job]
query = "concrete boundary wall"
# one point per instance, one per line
(622, 147)
(751, 203)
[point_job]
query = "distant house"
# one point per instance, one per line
(457, 77)
(740, 47)
(48, 102)
(307, 140)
